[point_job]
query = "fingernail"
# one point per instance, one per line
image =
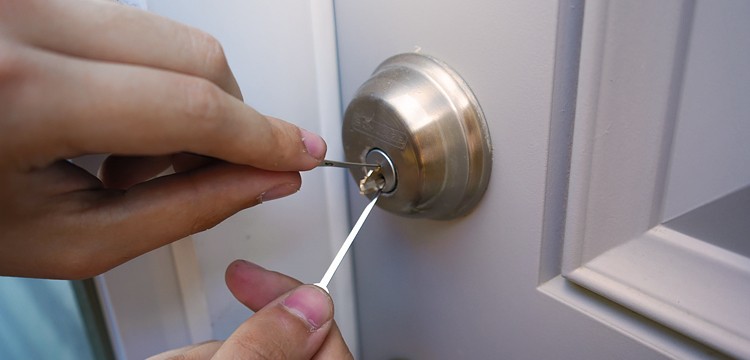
(278, 191)
(314, 144)
(246, 264)
(310, 304)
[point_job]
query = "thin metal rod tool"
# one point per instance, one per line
(344, 164)
(345, 247)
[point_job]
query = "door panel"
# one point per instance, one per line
(497, 283)
(469, 288)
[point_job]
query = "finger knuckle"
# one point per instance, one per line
(214, 59)
(269, 350)
(202, 218)
(286, 138)
(12, 67)
(15, 88)
(203, 222)
(203, 103)
(182, 356)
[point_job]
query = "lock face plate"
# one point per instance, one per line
(427, 123)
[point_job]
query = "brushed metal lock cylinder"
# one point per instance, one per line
(420, 122)
(387, 170)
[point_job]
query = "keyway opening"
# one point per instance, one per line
(387, 169)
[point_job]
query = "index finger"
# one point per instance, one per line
(133, 110)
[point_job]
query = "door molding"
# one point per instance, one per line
(633, 58)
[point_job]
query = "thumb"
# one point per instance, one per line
(293, 326)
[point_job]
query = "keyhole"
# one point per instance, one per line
(388, 171)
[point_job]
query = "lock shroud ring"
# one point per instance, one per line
(387, 169)
(426, 121)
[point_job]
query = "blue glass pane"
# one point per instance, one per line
(39, 319)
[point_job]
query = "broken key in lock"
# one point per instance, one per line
(373, 182)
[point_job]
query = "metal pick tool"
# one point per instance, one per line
(345, 247)
(344, 164)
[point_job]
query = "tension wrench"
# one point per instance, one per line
(344, 164)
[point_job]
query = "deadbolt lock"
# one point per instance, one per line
(420, 122)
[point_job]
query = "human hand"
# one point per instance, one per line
(95, 77)
(279, 329)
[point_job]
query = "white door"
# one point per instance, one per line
(616, 128)
(620, 115)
